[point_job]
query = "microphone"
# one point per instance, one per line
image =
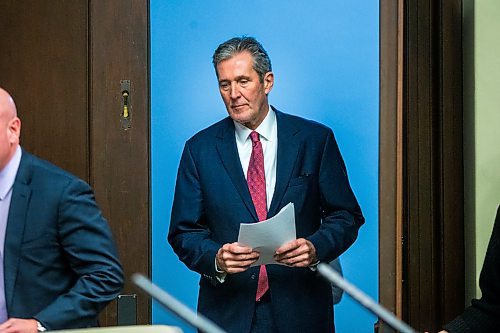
(367, 302)
(176, 307)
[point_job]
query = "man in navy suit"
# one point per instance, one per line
(216, 191)
(60, 265)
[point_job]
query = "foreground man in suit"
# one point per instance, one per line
(245, 168)
(60, 266)
(483, 315)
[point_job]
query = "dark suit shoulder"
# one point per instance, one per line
(35, 168)
(302, 123)
(226, 127)
(218, 129)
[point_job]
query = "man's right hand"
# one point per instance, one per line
(234, 258)
(17, 325)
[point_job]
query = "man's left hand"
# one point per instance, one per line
(297, 253)
(15, 325)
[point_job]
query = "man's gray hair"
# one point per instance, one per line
(236, 45)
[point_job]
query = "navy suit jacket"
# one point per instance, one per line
(212, 199)
(60, 261)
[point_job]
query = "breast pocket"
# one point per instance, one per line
(298, 189)
(41, 251)
(303, 192)
(300, 181)
(41, 241)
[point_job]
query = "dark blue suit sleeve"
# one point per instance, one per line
(188, 235)
(87, 244)
(341, 214)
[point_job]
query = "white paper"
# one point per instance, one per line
(267, 236)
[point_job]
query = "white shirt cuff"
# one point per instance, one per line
(219, 274)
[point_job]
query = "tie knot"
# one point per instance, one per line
(254, 136)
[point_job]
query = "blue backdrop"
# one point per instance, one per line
(325, 60)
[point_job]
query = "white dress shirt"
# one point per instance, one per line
(7, 178)
(268, 133)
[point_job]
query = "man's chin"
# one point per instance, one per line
(240, 121)
(240, 117)
(251, 124)
(246, 119)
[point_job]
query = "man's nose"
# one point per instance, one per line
(235, 92)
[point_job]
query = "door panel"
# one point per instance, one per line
(63, 62)
(44, 67)
(120, 157)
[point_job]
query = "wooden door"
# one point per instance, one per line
(421, 169)
(66, 63)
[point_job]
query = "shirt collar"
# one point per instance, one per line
(265, 129)
(9, 172)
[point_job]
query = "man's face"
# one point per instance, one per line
(10, 129)
(243, 94)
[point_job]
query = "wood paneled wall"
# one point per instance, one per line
(44, 67)
(63, 62)
(434, 213)
(421, 168)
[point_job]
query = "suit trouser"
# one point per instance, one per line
(263, 321)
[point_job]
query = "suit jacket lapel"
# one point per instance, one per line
(21, 193)
(288, 148)
(228, 152)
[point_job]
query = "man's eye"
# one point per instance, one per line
(224, 86)
(243, 82)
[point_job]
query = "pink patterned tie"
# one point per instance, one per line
(256, 180)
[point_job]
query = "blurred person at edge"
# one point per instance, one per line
(483, 315)
(60, 265)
